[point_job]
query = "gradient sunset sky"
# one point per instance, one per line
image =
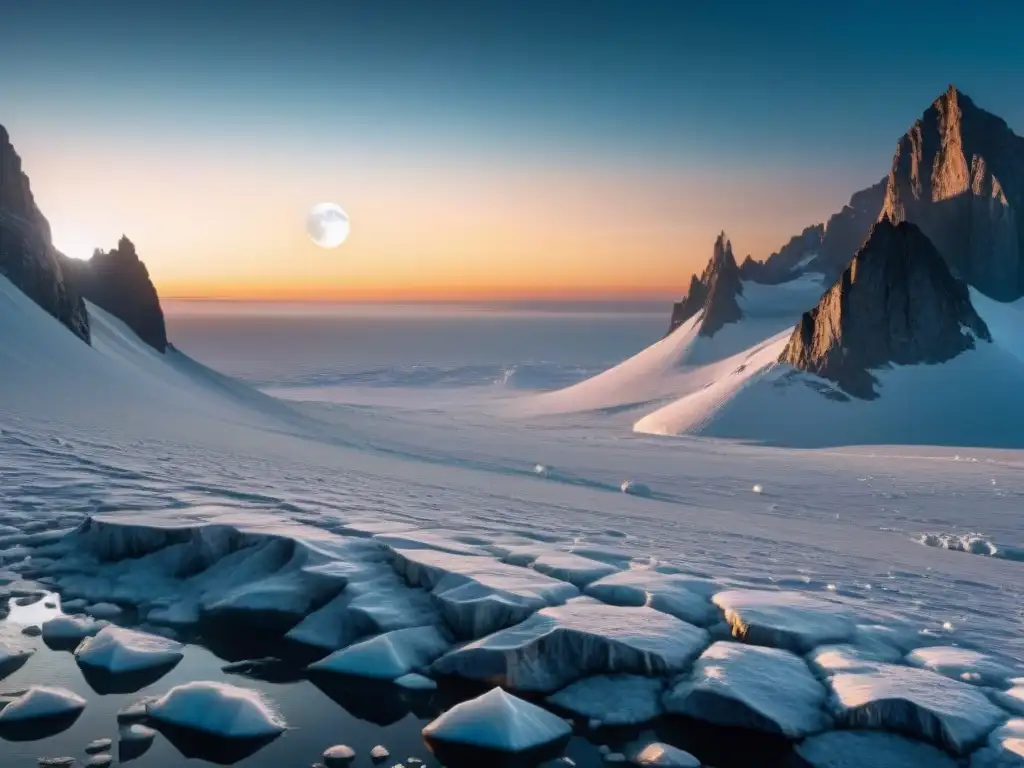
(527, 148)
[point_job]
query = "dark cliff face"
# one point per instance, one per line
(958, 174)
(27, 256)
(785, 264)
(715, 292)
(119, 282)
(897, 303)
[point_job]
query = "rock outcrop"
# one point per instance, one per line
(897, 303)
(715, 293)
(958, 174)
(27, 255)
(119, 282)
(785, 263)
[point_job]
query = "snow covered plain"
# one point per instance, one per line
(190, 500)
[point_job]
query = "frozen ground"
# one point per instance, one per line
(210, 501)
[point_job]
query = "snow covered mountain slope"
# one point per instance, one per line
(685, 361)
(971, 400)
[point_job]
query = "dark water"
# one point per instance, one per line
(320, 714)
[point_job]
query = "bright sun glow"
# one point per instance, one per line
(75, 245)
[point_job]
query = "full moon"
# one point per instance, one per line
(327, 225)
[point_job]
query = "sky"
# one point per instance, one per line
(482, 149)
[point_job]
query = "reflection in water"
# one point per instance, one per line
(104, 682)
(195, 744)
(40, 728)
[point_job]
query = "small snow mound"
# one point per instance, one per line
(634, 488)
(745, 686)
(70, 629)
(962, 664)
(612, 699)
(498, 721)
(857, 749)
(380, 753)
(415, 682)
(916, 702)
(98, 745)
(39, 702)
(338, 755)
(219, 710)
(971, 543)
(135, 733)
(542, 470)
(120, 651)
(388, 656)
(664, 756)
(790, 620)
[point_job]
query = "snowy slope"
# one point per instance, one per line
(684, 361)
(972, 400)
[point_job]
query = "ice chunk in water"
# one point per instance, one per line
(388, 656)
(38, 702)
(218, 709)
(119, 651)
(498, 721)
(765, 689)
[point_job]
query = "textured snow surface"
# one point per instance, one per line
(499, 721)
(578, 571)
(388, 656)
(685, 597)
(613, 699)
(218, 709)
(39, 702)
(119, 650)
(789, 620)
(557, 646)
(664, 756)
(834, 659)
(870, 749)
(963, 664)
(922, 704)
(765, 689)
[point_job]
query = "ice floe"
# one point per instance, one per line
(218, 709)
(578, 571)
(834, 659)
(479, 595)
(557, 646)
(612, 699)
(498, 721)
(119, 651)
(415, 682)
(790, 620)
(662, 755)
(338, 755)
(12, 659)
(963, 664)
(682, 596)
(388, 656)
(916, 702)
(1005, 747)
(870, 749)
(39, 702)
(1012, 700)
(746, 686)
(70, 630)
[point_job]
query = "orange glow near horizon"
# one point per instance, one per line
(213, 223)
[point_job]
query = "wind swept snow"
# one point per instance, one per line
(498, 721)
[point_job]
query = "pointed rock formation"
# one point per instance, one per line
(119, 282)
(897, 303)
(785, 264)
(27, 255)
(715, 292)
(958, 174)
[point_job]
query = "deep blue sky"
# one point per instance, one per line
(814, 93)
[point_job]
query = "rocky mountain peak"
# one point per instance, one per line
(119, 282)
(715, 292)
(897, 303)
(958, 173)
(27, 255)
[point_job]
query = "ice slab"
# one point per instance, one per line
(612, 699)
(119, 651)
(39, 702)
(12, 658)
(479, 595)
(218, 709)
(963, 664)
(70, 629)
(1005, 747)
(790, 620)
(748, 686)
(870, 749)
(685, 597)
(664, 756)
(830, 660)
(388, 656)
(578, 571)
(916, 702)
(498, 721)
(557, 646)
